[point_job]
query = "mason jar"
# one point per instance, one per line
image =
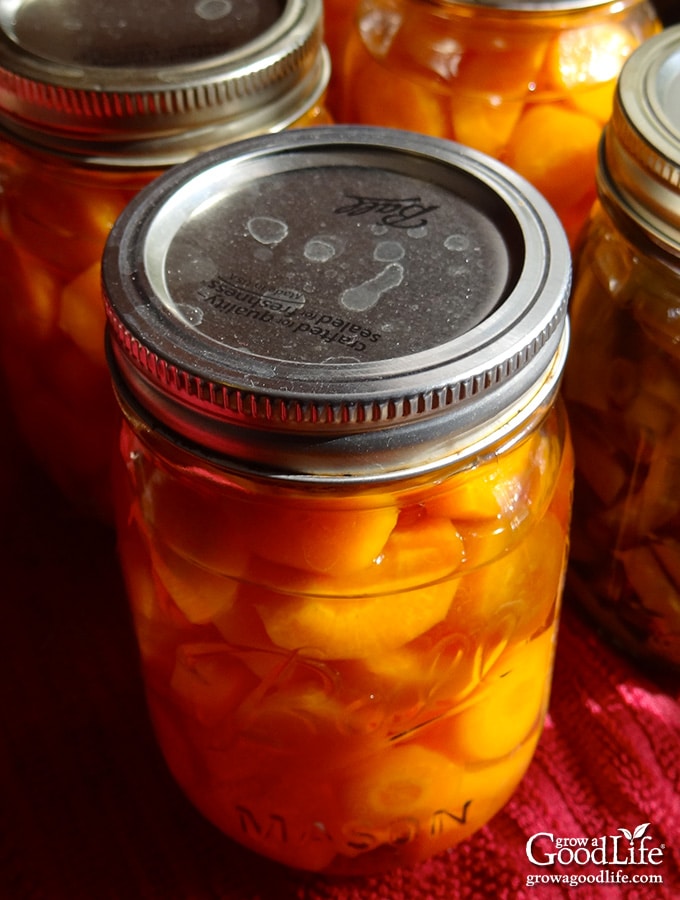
(95, 101)
(623, 379)
(526, 81)
(668, 11)
(344, 484)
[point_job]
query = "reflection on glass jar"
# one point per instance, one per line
(345, 485)
(623, 379)
(528, 85)
(88, 116)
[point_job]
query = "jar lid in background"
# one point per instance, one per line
(338, 300)
(640, 150)
(120, 78)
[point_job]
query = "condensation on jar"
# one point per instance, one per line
(95, 101)
(345, 484)
(503, 76)
(623, 379)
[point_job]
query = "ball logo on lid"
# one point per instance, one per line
(393, 212)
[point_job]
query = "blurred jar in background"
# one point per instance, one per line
(527, 82)
(93, 105)
(622, 383)
(345, 484)
(668, 10)
(338, 22)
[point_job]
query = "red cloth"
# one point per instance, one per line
(89, 812)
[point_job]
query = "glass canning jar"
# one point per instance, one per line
(668, 11)
(525, 81)
(345, 484)
(96, 99)
(338, 23)
(623, 378)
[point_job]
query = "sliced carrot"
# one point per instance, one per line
(198, 518)
(331, 539)
(30, 309)
(209, 682)
(416, 798)
(491, 74)
(417, 681)
(522, 586)
(496, 502)
(136, 569)
(484, 123)
(401, 782)
(494, 487)
(555, 148)
(483, 790)
(380, 95)
(65, 221)
(655, 310)
(82, 314)
(499, 63)
(283, 814)
(354, 629)
(419, 551)
(375, 610)
(653, 507)
(584, 63)
(201, 594)
(508, 706)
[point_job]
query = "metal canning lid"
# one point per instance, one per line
(121, 79)
(640, 150)
(338, 300)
